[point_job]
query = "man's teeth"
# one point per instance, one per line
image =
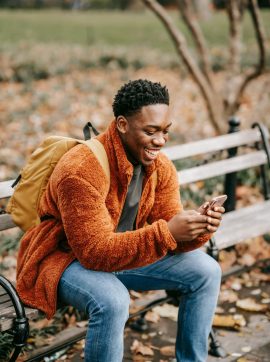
(152, 152)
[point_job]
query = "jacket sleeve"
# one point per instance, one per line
(90, 231)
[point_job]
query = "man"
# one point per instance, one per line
(104, 237)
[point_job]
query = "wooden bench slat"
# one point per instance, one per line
(5, 305)
(66, 337)
(7, 312)
(7, 319)
(222, 167)
(3, 294)
(3, 299)
(245, 223)
(5, 189)
(214, 144)
(6, 222)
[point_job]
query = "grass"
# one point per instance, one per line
(107, 28)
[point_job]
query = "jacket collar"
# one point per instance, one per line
(117, 155)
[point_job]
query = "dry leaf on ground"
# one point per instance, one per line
(152, 316)
(139, 348)
(259, 276)
(167, 311)
(168, 351)
(41, 323)
(251, 305)
(229, 321)
(228, 295)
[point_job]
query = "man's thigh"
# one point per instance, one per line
(83, 288)
(182, 271)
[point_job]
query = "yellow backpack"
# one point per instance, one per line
(32, 181)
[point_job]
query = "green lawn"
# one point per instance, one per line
(105, 28)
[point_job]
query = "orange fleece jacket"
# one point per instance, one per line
(86, 215)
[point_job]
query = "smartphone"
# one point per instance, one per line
(216, 201)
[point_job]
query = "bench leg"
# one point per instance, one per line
(215, 348)
(20, 328)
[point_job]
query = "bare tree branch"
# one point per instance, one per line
(187, 12)
(260, 35)
(182, 49)
(235, 29)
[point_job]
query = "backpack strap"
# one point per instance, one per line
(99, 151)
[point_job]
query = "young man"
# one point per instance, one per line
(105, 237)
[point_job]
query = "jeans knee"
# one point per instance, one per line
(112, 304)
(210, 273)
(117, 305)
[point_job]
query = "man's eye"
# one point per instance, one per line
(149, 133)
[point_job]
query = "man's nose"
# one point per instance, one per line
(160, 140)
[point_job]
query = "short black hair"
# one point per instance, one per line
(136, 94)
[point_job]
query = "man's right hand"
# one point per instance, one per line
(188, 225)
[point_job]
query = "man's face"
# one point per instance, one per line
(145, 133)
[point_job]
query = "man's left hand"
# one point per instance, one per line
(214, 217)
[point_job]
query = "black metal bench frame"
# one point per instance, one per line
(20, 326)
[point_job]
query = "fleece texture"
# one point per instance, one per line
(86, 209)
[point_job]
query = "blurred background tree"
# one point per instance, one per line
(223, 103)
(223, 50)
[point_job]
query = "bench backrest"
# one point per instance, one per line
(254, 157)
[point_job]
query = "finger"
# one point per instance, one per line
(211, 229)
(197, 218)
(196, 227)
(203, 231)
(213, 221)
(219, 209)
(214, 214)
(199, 232)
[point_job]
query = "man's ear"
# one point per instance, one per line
(122, 124)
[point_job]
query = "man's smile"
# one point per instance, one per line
(152, 153)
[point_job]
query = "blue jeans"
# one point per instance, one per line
(105, 298)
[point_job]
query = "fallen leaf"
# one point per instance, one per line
(168, 351)
(259, 276)
(229, 321)
(247, 259)
(152, 317)
(227, 296)
(219, 310)
(256, 292)
(135, 294)
(227, 259)
(246, 349)
(236, 286)
(139, 348)
(167, 311)
(251, 305)
(41, 323)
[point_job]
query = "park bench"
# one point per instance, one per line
(222, 155)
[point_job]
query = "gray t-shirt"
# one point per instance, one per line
(130, 209)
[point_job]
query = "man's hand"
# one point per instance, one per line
(188, 225)
(214, 218)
